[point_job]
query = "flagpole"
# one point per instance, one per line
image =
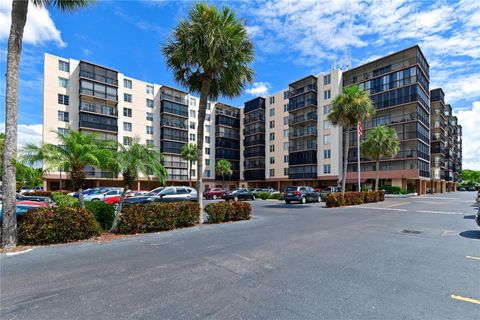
(358, 155)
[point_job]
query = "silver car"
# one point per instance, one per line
(101, 195)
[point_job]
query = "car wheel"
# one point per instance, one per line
(235, 198)
(287, 201)
(318, 199)
(214, 197)
(303, 200)
(253, 198)
(95, 199)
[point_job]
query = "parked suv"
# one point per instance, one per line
(302, 194)
(164, 194)
(215, 193)
(329, 190)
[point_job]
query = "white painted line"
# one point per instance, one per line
(474, 258)
(18, 252)
(465, 299)
(437, 198)
(441, 212)
(379, 208)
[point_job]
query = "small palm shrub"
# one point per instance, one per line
(226, 211)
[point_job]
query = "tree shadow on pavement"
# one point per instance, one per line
(471, 234)
(471, 217)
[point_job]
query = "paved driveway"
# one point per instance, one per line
(400, 259)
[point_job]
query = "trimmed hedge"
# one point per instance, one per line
(276, 196)
(38, 193)
(262, 195)
(104, 213)
(153, 217)
(228, 211)
(353, 198)
(64, 200)
(56, 225)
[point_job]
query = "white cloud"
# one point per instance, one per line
(254, 31)
(469, 120)
(259, 89)
(26, 133)
(39, 28)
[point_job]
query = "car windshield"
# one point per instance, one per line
(154, 192)
(290, 189)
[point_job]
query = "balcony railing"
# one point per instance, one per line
(100, 109)
(312, 116)
(175, 164)
(177, 177)
(175, 124)
(173, 98)
(99, 126)
(98, 77)
(310, 87)
(99, 94)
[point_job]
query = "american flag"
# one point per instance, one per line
(359, 129)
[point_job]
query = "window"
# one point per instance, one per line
(63, 116)
(127, 97)
(192, 125)
(63, 66)
(63, 82)
(149, 89)
(326, 139)
(285, 146)
(285, 171)
(192, 137)
(272, 100)
(272, 148)
(149, 103)
(327, 168)
(193, 114)
(207, 117)
(285, 107)
(207, 139)
(192, 101)
(272, 112)
(326, 124)
(127, 126)
(127, 83)
(127, 141)
(149, 116)
(285, 120)
(149, 142)
(272, 124)
(285, 95)
(207, 150)
(149, 130)
(285, 158)
(327, 154)
(272, 160)
(207, 162)
(127, 112)
(285, 133)
(327, 94)
(63, 99)
(272, 172)
(208, 106)
(207, 128)
(192, 172)
(207, 173)
(63, 131)
(272, 136)
(327, 79)
(327, 109)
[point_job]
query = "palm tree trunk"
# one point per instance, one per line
(81, 202)
(190, 173)
(200, 138)
(345, 162)
(118, 210)
(9, 223)
(378, 175)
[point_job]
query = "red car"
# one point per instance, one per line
(215, 193)
(116, 199)
(33, 203)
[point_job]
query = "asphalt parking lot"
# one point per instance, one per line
(405, 258)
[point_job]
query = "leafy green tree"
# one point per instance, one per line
(353, 105)
(470, 177)
(134, 160)
(381, 143)
(14, 50)
(209, 53)
(29, 176)
(74, 151)
(223, 168)
(189, 153)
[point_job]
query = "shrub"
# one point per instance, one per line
(154, 217)
(39, 193)
(104, 213)
(228, 211)
(381, 195)
(262, 195)
(276, 196)
(65, 200)
(353, 198)
(56, 225)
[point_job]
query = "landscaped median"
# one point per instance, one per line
(353, 198)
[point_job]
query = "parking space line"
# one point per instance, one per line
(474, 258)
(441, 212)
(465, 299)
(397, 204)
(379, 208)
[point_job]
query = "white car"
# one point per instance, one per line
(102, 195)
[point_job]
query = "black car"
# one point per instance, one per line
(164, 194)
(238, 194)
(21, 197)
(461, 189)
(477, 218)
(471, 188)
(302, 194)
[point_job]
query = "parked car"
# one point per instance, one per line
(164, 194)
(461, 189)
(477, 217)
(92, 190)
(214, 193)
(39, 188)
(471, 188)
(23, 207)
(24, 189)
(21, 197)
(302, 194)
(239, 194)
(318, 189)
(116, 198)
(329, 190)
(33, 203)
(102, 194)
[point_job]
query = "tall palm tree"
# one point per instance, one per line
(189, 153)
(15, 40)
(210, 53)
(223, 168)
(381, 142)
(75, 151)
(353, 105)
(134, 160)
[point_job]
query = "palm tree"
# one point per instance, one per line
(210, 53)
(15, 39)
(381, 142)
(134, 160)
(74, 152)
(353, 105)
(189, 153)
(223, 168)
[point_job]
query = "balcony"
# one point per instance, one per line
(99, 94)
(303, 133)
(252, 175)
(311, 116)
(98, 77)
(98, 126)
(174, 111)
(175, 164)
(98, 109)
(173, 124)
(178, 177)
(302, 176)
(167, 96)
(310, 87)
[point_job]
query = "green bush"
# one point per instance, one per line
(56, 225)
(276, 196)
(262, 195)
(154, 217)
(228, 211)
(104, 213)
(353, 198)
(64, 200)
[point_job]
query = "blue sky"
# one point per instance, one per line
(292, 39)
